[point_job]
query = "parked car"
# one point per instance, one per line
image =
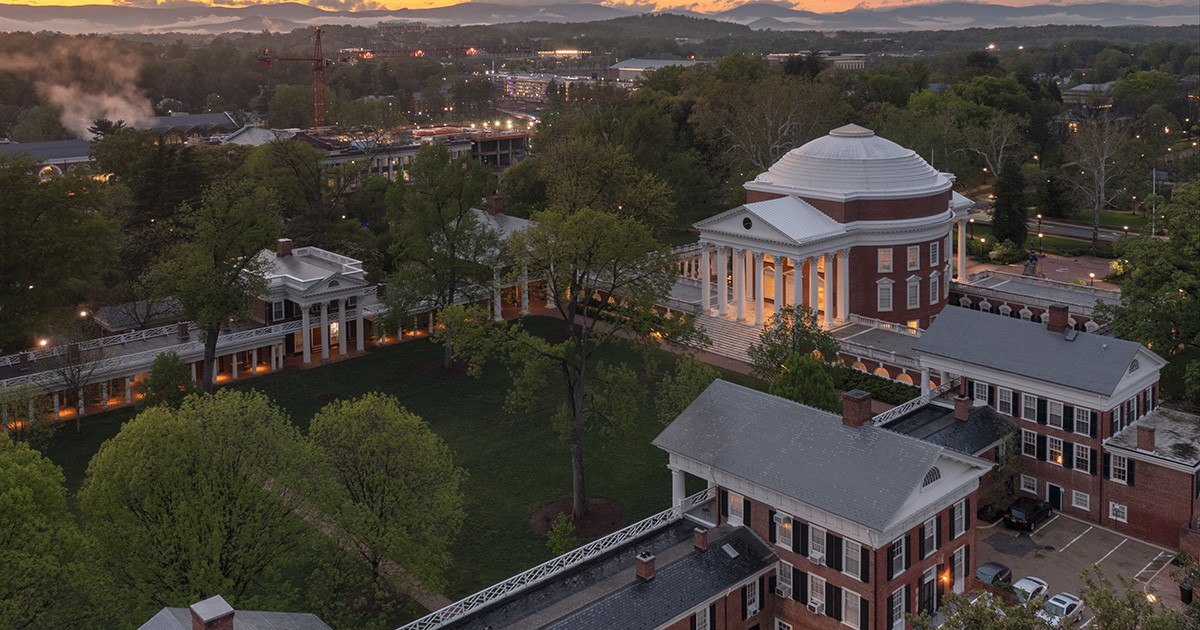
(1062, 610)
(1030, 588)
(1025, 513)
(993, 573)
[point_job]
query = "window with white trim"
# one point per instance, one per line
(1029, 484)
(851, 608)
(1118, 512)
(1120, 469)
(1004, 401)
(277, 311)
(1054, 414)
(914, 258)
(736, 510)
(1083, 421)
(935, 251)
(914, 292)
(782, 625)
(1083, 457)
(883, 294)
(959, 526)
(898, 608)
(851, 558)
(702, 620)
(816, 590)
(783, 530)
(752, 603)
(930, 536)
(783, 579)
(1029, 407)
(896, 553)
(1081, 500)
(1028, 443)
(981, 392)
(885, 260)
(1054, 450)
(816, 544)
(935, 292)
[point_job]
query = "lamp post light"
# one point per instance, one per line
(1041, 243)
(971, 228)
(1039, 223)
(1091, 279)
(1126, 228)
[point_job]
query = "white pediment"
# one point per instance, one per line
(335, 284)
(787, 220)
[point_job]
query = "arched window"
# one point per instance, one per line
(904, 378)
(933, 475)
(882, 371)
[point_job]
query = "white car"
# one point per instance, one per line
(1030, 588)
(1062, 610)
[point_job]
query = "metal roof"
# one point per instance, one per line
(937, 425)
(864, 475)
(181, 619)
(1090, 362)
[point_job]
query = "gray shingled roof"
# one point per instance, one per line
(52, 150)
(181, 619)
(864, 475)
(1176, 436)
(937, 425)
(676, 588)
(1091, 363)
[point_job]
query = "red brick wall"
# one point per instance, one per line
(864, 265)
(882, 209)
(258, 310)
(757, 195)
(1158, 504)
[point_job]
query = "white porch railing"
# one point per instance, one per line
(92, 344)
(879, 323)
(871, 352)
(920, 401)
(570, 559)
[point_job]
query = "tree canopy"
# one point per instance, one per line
(804, 380)
(792, 330)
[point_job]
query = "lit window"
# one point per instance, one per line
(1120, 469)
(1083, 421)
(1081, 500)
(735, 508)
(1054, 414)
(1029, 484)
(1083, 457)
(1118, 512)
(1028, 443)
(1004, 400)
(885, 260)
(1055, 450)
(1028, 408)
(934, 253)
(783, 530)
(914, 258)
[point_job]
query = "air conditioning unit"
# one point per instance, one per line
(817, 608)
(783, 591)
(818, 558)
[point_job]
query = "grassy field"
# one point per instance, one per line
(516, 462)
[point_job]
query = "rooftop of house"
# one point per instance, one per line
(215, 608)
(1080, 298)
(53, 150)
(1079, 360)
(653, 64)
(936, 423)
(1176, 436)
(184, 121)
(306, 265)
(865, 475)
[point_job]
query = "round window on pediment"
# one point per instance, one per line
(747, 223)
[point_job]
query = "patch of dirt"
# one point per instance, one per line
(327, 396)
(604, 516)
(436, 370)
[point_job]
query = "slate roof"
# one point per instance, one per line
(1090, 363)
(53, 150)
(181, 619)
(937, 425)
(676, 588)
(1176, 436)
(161, 124)
(864, 475)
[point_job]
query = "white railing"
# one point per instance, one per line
(871, 352)
(991, 273)
(566, 561)
(92, 344)
(879, 323)
(920, 401)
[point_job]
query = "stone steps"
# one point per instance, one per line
(729, 338)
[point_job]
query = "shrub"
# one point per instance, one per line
(846, 378)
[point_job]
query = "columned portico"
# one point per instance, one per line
(324, 331)
(758, 288)
(843, 290)
(961, 276)
(705, 280)
(827, 302)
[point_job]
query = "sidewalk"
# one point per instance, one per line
(1060, 268)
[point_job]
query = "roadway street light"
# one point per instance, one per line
(971, 228)
(1039, 223)
(1041, 243)
(1091, 279)
(1126, 228)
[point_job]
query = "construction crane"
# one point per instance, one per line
(320, 60)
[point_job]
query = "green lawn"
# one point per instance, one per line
(516, 463)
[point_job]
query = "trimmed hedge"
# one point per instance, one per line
(846, 378)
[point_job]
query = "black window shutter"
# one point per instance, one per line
(744, 615)
(971, 389)
(1107, 464)
(830, 603)
(1041, 411)
(1068, 419)
(865, 562)
(953, 534)
(864, 614)
(891, 560)
(771, 525)
(834, 544)
(907, 599)
(907, 551)
(799, 579)
(712, 615)
(1094, 422)
(992, 396)
(967, 560)
(724, 500)
(802, 588)
(771, 584)
(692, 622)
(891, 602)
(746, 512)
(803, 539)
(921, 541)
(762, 584)
(1129, 472)
(1041, 448)
(967, 516)
(937, 535)
(1068, 455)
(1094, 458)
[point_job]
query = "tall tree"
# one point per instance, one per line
(49, 578)
(396, 493)
(997, 140)
(804, 380)
(793, 330)
(585, 172)
(1008, 214)
(1096, 148)
(217, 271)
(198, 500)
(445, 251)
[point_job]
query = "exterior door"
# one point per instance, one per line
(1054, 495)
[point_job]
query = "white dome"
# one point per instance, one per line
(852, 163)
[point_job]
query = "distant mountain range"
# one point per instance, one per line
(201, 19)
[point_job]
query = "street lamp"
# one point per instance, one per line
(1091, 279)
(1039, 223)
(1041, 243)
(1126, 228)
(971, 228)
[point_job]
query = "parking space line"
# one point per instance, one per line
(1074, 539)
(1110, 552)
(1086, 623)
(1148, 565)
(1046, 524)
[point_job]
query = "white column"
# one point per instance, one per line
(496, 299)
(778, 285)
(705, 280)
(342, 327)
(324, 330)
(80, 410)
(722, 282)
(274, 357)
(924, 381)
(104, 394)
(233, 358)
(358, 326)
(758, 289)
(129, 389)
(57, 412)
(812, 286)
(962, 252)
(843, 293)
(306, 334)
(254, 361)
(827, 303)
(524, 292)
(678, 491)
(739, 282)
(193, 366)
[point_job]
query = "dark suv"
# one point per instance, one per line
(1025, 513)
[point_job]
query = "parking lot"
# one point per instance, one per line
(1062, 546)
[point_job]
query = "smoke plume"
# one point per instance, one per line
(86, 78)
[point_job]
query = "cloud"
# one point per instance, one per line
(86, 79)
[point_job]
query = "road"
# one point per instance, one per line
(1065, 230)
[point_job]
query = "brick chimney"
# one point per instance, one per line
(283, 247)
(497, 204)
(380, 290)
(213, 613)
(24, 365)
(700, 538)
(856, 408)
(962, 408)
(182, 331)
(1058, 318)
(1145, 438)
(645, 566)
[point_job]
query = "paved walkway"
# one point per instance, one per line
(1060, 268)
